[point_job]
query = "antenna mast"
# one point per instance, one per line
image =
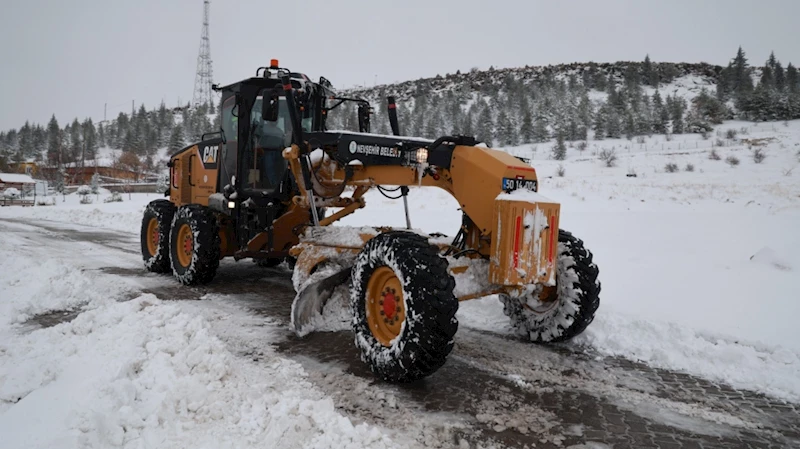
(205, 74)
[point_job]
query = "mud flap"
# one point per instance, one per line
(310, 301)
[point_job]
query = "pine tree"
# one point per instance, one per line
(613, 124)
(540, 133)
(706, 108)
(584, 111)
(600, 82)
(559, 152)
(767, 77)
(484, 127)
(122, 127)
(601, 122)
(526, 130)
(780, 76)
(101, 135)
(660, 115)
(677, 108)
(466, 127)
(742, 83)
(629, 124)
(506, 130)
(649, 72)
(792, 79)
(90, 143)
(53, 140)
(26, 148)
(176, 139)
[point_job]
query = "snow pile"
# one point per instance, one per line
(142, 373)
(774, 370)
(36, 285)
(11, 193)
(769, 257)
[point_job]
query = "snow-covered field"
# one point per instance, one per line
(698, 268)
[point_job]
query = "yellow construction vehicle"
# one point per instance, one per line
(260, 189)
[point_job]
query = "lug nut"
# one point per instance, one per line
(382, 312)
(380, 302)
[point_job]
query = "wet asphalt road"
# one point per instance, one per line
(494, 391)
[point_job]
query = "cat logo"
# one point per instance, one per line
(209, 156)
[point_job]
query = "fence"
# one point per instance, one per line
(15, 202)
(144, 187)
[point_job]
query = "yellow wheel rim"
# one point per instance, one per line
(185, 245)
(385, 306)
(152, 236)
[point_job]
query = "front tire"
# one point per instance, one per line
(194, 245)
(403, 306)
(154, 236)
(577, 297)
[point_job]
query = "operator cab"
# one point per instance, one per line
(252, 155)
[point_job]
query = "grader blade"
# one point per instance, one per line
(310, 301)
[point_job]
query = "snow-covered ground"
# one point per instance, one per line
(698, 269)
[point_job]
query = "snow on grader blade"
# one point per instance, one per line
(310, 301)
(258, 187)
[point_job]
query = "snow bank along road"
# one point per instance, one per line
(95, 352)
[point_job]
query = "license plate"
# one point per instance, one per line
(514, 184)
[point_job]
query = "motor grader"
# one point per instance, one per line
(272, 183)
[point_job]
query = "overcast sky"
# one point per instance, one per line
(72, 57)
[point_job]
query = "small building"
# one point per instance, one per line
(23, 183)
(83, 175)
(29, 168)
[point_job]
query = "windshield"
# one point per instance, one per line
(278, 134)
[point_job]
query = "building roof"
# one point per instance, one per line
(16, 178)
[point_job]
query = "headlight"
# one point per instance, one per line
(231, 205)
(422, 155)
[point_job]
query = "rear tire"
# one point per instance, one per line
(154, 236)
(578, 297)
(411, 338)
(194, 245)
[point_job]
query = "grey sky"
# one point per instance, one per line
(71, 57)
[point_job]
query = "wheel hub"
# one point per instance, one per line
(389, 303)
(546, 300)
(185, 241)
(384, 305)
(187, 245)
(152, 232)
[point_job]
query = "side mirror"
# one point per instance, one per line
(269, 106)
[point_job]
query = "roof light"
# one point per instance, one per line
(273, 63)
